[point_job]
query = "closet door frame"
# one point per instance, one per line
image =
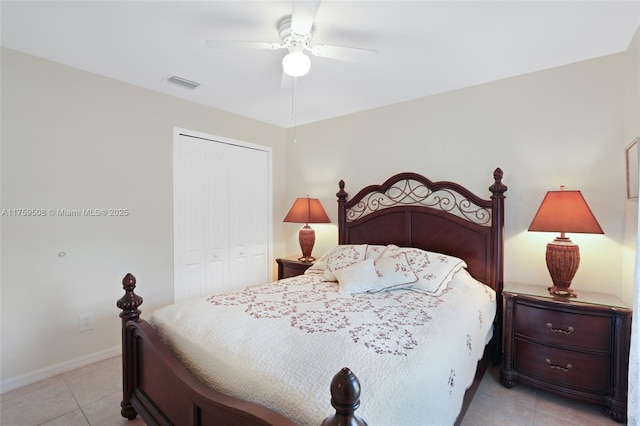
(180, 132)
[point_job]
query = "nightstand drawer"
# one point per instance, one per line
(289, 271)
(572, 330)
(291, 267)
(580, 370)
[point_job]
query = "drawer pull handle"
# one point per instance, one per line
(558, 367)
(560, 330)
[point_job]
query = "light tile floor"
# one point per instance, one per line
(494, 404)
(91, 396)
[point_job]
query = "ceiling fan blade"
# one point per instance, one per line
(235, 44)
(353, 54)
(303, 15)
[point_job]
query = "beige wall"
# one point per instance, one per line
(71, 139)
(563, 126)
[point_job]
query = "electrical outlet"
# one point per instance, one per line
(86, 321)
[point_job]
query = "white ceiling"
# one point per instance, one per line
(424, 47)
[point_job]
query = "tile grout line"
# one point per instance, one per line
(64, 379)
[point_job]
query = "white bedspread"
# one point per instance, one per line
(280, 344)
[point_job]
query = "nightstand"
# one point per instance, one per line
(575, 347)
(290, 266)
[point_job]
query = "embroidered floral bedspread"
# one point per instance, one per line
(280, 344)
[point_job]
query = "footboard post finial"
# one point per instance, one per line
(345, 398)
(129, 304)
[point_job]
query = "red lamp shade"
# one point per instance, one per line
(564, 211)
(307, 210)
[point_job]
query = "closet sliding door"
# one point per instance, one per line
(222, 214)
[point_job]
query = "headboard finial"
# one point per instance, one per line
(342, 200)
(498, 188)
(341, 194)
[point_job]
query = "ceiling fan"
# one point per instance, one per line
(295, 33)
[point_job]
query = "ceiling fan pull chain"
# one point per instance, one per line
(293, 109)
(293, 99)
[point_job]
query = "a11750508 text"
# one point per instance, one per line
(57, 212)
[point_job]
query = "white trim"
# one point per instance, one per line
(177, 131)
(56, 369)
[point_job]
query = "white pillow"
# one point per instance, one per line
(394, 272)
(357, 278)
(343, 256)
(374, 252)
(434, 270)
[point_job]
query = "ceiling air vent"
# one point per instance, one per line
(183, 82)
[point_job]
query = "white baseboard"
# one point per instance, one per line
(54, 370)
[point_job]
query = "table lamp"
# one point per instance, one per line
(564, 211)
(307, 210)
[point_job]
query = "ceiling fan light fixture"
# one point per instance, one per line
(296, 64)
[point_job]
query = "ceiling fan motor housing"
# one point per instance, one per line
(293, 41)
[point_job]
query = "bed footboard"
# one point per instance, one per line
(156, 386)
(161, 390)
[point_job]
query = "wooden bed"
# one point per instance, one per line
(407, 210)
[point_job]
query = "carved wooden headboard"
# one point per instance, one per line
(411, 211)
